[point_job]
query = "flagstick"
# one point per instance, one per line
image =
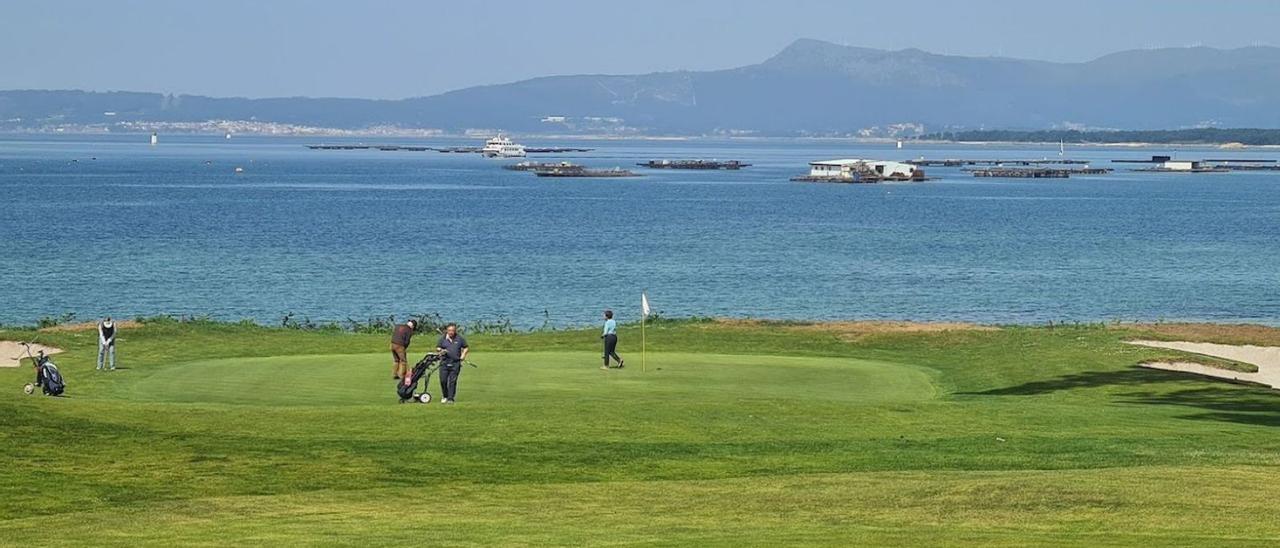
(644, 317)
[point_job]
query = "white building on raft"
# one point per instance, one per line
(853, 168)
(1167, 163)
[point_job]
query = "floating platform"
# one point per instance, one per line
(555, 150)
(1037, 173)
(528, 150)
(693, 164)
(392, 148)
(384, 148)
(956, 162)
(339, 147)
(455, 150)
(1241, 164)
(1249, 167)
(1167, 164)
(536, 166)
(857, 179)
(1208, 169)
(580, 171)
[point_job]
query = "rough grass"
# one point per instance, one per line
(1211, 361)
(1260, 335)
(89, 326)
(857, 330)
(758, 434)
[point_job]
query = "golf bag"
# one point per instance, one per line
(48, 378)
(425, 367)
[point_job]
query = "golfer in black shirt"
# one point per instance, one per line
(454, 348)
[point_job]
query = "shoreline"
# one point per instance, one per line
(1124, 145)
(294, 322)
(412, 133)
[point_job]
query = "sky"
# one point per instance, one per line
(395, 49)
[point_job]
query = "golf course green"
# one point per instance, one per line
(736, 433)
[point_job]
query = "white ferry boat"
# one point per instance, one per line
(502, 147)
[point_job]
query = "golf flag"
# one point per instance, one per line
(644, 314)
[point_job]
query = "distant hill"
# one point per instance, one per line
(811, 87)
(1197, 136)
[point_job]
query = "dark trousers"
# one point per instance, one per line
(611, 348)
(449, 380)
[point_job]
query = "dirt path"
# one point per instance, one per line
(12, 352)
(1267, 358)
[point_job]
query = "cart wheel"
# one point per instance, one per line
(424, 397)
(29, 389)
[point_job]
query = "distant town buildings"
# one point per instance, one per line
(554, 124)
(222, 127)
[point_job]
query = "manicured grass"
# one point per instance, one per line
(535, 378)
(738, 433)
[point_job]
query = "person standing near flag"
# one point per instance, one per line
(610, 337)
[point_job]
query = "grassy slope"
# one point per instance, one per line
(743, 433)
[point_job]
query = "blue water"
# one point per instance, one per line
(110, 225)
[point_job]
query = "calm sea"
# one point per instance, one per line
(111, 225)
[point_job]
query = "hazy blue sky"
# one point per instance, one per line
(380, 48)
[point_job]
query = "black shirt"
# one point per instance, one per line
(452, 349)
(108, 333)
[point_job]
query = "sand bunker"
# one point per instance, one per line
(1267, 358)
(12, 352)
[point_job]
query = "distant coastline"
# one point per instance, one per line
(1134, 145)
(1258, 139)
(1223, 137)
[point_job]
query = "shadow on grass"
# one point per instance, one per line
(1242, 403)
(1087, 379)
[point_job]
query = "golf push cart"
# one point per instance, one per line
(425, 367)
(48, 378)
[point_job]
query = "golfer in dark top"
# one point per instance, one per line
(107, 343)
(454, 349)
(610, 337)
(400, 339)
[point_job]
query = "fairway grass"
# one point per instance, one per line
(737, 433)
(534, 378)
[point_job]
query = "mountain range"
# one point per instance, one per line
(809, 88)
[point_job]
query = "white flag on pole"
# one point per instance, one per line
(644, 304)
